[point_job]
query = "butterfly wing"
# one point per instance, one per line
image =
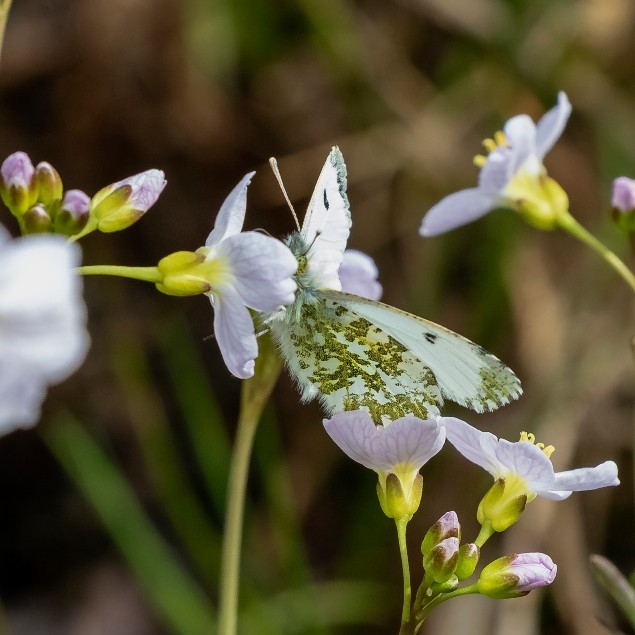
(354, 353)
(327, 223)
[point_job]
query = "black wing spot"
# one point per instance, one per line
(430, 337)
(326, 200)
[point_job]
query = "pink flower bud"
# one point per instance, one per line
(517, 574)
(16, 183)
(623, 198)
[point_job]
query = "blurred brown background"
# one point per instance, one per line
(208, 90)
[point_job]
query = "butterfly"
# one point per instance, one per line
(353, 353)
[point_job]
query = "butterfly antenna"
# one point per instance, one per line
(276, 172)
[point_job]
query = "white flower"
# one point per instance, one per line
(509, 175)
(358, 274)
(243, 270)
(42, 323)
(396, 451)
(525, 464)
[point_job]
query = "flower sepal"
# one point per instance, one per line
(183, 274)
(540, 201)
(397, 501)
(503, 504)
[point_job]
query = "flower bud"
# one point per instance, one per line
(503, 504)
(446, 587)
(72, 214)
(16, 183)
(441, 560)
(119, 205)
(48, 183)
(446, 527)
(396, 501)
(623, 202)
(623, 194)
(36, 220)
(469, 554)
(515, 575)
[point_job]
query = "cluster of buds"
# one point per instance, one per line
(36, 197)
(446, 561)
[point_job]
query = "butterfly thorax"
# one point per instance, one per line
(305, 279)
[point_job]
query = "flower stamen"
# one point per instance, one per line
(531, 437)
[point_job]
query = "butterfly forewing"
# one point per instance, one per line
(327, 222)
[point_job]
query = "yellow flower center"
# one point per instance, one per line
(499, 141)
(531, 437)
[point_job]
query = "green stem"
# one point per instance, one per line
(485, 533)
(571, 225)
(439, 599)
(406, 625)
(5, 5)
(255, 394)
(147, 274)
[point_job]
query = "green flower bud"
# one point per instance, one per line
(441, 560)
(72, 213)
(36, 220)
(47, 183)
(446, 587)
(469, 554)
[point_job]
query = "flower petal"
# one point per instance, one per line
(234, 331)
(527, 461)
(358, 274)
(551, 125)
(455, 210)
(521, 137)
(408, 441)
(476, 446)
(231, 215)
(587, 478)
(20, 397)
(262, 269)
(41, 311)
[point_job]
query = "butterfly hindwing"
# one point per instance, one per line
(465, 372)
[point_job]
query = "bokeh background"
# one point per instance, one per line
(112, 507)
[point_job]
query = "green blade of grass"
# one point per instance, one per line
(178, 600)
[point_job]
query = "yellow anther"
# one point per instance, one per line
(479, 160)
(489, 145)
(500, 138)
(531, 437)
